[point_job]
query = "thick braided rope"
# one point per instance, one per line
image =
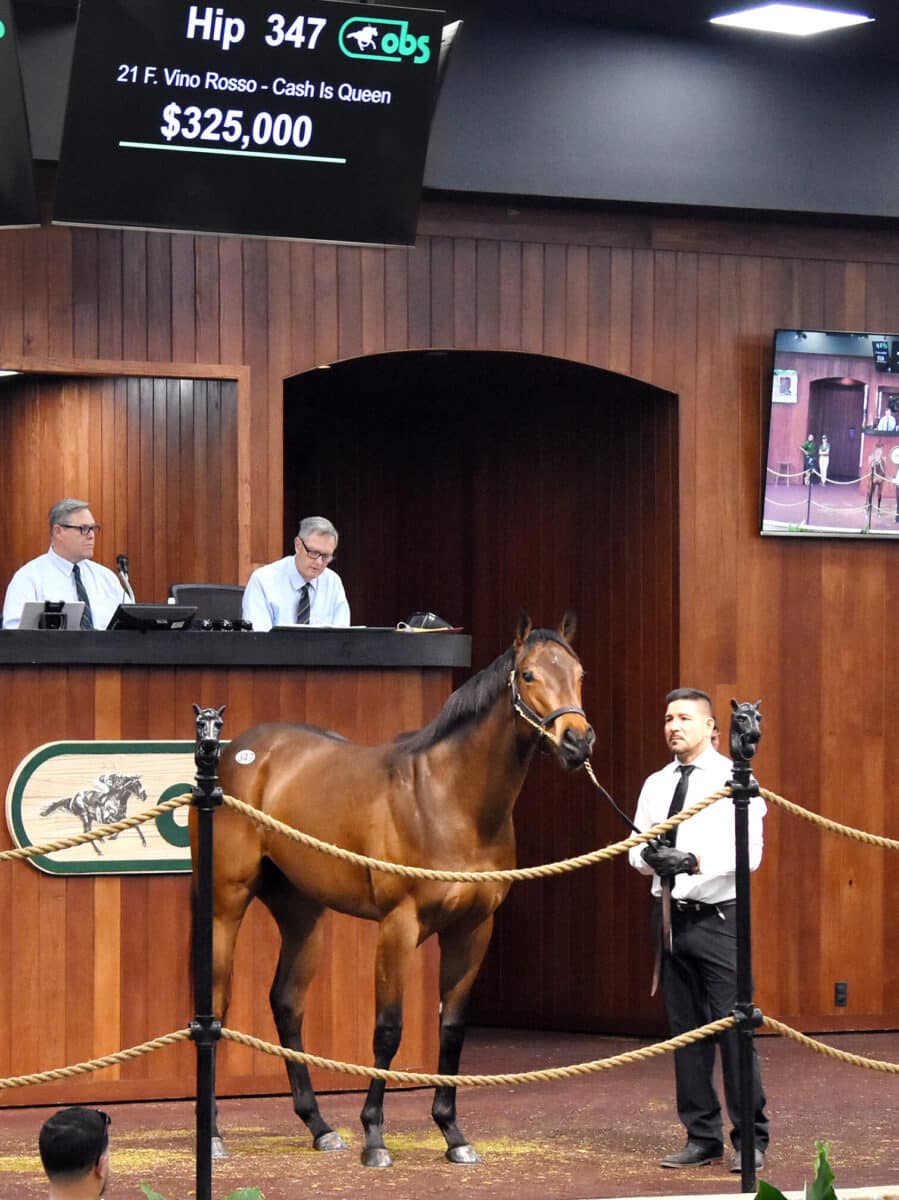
(854, 1060)
(422, 1079)
(859, 835)
(97, 1064)
(506, 876)
(101, 831)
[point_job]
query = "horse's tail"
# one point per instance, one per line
(45, 812)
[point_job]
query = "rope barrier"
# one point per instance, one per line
(426, 1079)
(509, 875)
(859, 835)
(854, 1060)
(102, 831)
(96, 1064)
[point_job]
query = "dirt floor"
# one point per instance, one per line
(600, 1136)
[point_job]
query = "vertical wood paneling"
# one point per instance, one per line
(678, 304)
(149, 454)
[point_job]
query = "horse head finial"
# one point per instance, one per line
(209, 725)
(745, 729)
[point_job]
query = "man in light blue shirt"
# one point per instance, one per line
(300, 589)
(67, 571)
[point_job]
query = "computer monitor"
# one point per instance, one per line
(152, 616)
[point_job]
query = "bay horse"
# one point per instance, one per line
(442, 797)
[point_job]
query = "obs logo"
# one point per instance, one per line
(382, 39)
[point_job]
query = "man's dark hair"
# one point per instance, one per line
(73, 1141)
(687, 693)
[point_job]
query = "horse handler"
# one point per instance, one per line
(693, 873)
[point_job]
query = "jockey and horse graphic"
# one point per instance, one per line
(102, 803)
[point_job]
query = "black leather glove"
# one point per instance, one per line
(668, 860)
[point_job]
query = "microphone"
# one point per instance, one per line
(122, 564)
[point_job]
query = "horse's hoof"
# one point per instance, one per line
(376, 1156)
(329, 1141)
(218, 1149)
(463, 1155)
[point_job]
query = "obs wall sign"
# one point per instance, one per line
(65, 788)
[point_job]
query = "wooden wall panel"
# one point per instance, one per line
(103, 959)
(154, 457)
(684, 304)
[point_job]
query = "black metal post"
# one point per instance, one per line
(205, 1029)
(744, 787)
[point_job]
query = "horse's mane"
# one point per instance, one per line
(470, 702)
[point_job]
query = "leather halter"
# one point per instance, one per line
(525, 711)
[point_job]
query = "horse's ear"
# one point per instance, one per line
(197, 709)
(734, 705)
(222, 709)
(757, 703)
(568, 627)
(522, 629)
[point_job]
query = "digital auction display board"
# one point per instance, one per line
(303, 119)
(18, 200)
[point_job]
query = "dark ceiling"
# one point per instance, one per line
(673, 18)
(690, 19)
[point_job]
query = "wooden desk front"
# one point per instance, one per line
(89, 965)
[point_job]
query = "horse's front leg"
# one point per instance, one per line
(397, 940)
(461, 954)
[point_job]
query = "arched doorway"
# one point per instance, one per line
(473, 484)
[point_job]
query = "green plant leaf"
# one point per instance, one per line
(251, 1193)
(822, 1187)
(767, 1192)
(150, 1193)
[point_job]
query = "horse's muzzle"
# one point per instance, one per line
(575, 748)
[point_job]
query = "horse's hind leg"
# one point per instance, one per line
(397, 940)
(301, 937)
(461, 955)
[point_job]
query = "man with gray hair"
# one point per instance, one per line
(67, 571)
(300, 589)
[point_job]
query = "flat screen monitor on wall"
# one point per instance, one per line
(18, 199)
(832, 465)
(306, 122)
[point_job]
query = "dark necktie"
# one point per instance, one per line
(303, 606)
(677, 800)
(87, 617)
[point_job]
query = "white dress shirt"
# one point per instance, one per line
(273, 592)
(709, 834)
(49, 577)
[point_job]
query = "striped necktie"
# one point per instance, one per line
(87, 617)
(303, 606)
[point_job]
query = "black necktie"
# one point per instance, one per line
(303, 606)
(87, 617)
(677, 800)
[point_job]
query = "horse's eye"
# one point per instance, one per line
(527, 676)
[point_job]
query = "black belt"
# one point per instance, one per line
(697, 906)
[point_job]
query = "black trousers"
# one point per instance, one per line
(699, 984)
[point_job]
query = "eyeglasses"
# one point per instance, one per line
(107, 1121)
(317, 555)
(84, 530)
